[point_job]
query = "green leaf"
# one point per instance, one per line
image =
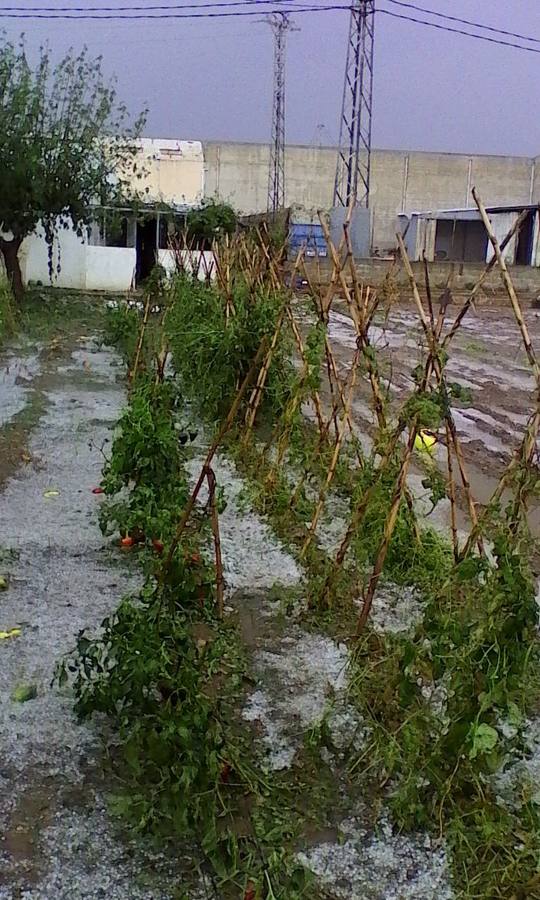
(23, 693)
(484, 739)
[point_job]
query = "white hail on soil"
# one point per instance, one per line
(252, 556)
(302, 678)
(299, 678)
(86, 861)
(382, 866)
(519, 782)
(16, 374)
(397, 609)
(61, 582)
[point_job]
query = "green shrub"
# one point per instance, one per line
(213, 351)
(145, 473)
(7, 310)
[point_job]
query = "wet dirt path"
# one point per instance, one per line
(56, 837)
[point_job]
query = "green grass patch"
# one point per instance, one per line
(8, 319)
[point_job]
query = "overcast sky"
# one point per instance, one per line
(212, 79)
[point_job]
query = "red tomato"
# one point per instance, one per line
(157, 545)
(127, 541)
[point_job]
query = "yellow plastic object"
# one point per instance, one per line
(14, 632)
(51, 493)
(425, 442)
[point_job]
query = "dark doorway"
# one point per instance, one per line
(461, 240)
(525, 240)
(146, 248)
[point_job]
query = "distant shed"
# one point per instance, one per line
(459, 235)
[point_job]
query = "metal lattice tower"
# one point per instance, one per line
(281, 24)
(354, 154)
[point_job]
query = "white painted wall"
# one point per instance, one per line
(76, 264)
(110, 268)
(68, 258)
(191, 259)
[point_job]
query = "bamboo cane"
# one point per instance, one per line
(433, 362)
(133, 370)
(524, 454)
(510, 290)
(452, 493)
(359, 512)
(300, 344)
(256, 394)
(388, 532)
(476, 287)
(220, 581)
(335, 456)
(225, 426)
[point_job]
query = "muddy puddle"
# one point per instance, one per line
(17, 373)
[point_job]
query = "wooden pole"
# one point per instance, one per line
(452, 493)
(133, 370)
(510, 290)
(225, 426)
(433, 362)
(388, 531)
(335, 456)
(300, 344)
(256, 394)
(220, 581)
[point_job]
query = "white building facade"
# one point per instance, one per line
(117, 259)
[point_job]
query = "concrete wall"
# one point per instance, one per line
(76, 264)
(110, 268)
(402, 181)
(526, 279)
(68, 260)
(174, 170)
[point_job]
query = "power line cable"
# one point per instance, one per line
(129, 17)
(146, 8)
(449, 28)
(162, 12)
(449, 18)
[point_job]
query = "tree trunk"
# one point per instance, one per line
(10, 252)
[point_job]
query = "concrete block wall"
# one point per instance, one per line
(463, 276)
(402, 181)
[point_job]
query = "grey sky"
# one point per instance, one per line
(212, 78)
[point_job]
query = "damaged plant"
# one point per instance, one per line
(144, 478)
